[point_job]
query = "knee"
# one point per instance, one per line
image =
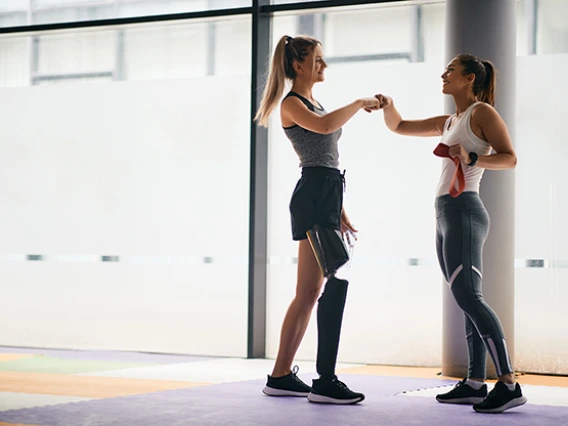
(466, 299)
(308, 296)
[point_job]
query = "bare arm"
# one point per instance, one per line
(294, 111)
(433, 126)
(495, 132)
(488, 125)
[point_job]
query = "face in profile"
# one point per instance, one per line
(313, 67)
(453, 79)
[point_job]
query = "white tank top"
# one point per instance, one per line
(459, 131)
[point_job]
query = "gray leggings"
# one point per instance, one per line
(462, 227)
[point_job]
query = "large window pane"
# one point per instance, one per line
(394, 276)
(140, 52)
(15, 12)
(120, 190)
(15, 61)
(552, 26)
(541, 27)
(186, 50)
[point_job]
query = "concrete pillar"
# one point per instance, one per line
(487, 28)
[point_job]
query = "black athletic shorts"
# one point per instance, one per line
(317, 200)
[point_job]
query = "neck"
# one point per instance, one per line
(463, 101)
(303, 88)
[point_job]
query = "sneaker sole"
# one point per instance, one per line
(511, 404)
(321, 399)
(469, 401)
(282, 392)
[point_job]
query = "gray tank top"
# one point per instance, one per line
(314, 149)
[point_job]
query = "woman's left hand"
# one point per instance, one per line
(458, 151)
(346, 225)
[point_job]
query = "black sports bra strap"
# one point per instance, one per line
(300, 97)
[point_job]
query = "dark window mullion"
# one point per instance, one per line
(261, 48)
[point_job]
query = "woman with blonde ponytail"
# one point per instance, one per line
(316, 211)
(475, 138)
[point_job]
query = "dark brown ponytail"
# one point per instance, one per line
(488, 94)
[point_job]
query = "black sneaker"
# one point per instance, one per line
(500, 399)
(288, 385)
(463, 393)
(333, 391)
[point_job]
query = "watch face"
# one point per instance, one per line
(473, 157)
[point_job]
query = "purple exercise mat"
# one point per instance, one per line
(103, 355)
(243, 404)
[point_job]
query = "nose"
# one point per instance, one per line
(444, 74)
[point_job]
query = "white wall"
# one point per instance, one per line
(156, 173)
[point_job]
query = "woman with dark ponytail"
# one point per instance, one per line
(475, 138)
(316, 211)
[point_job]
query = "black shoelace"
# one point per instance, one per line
(341, 384)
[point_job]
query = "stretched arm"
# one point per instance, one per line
(294, 111)
(486, 120)
(433, 126)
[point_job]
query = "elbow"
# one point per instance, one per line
(395, 127)
(326, 127)
(398, 130)
(513, 161)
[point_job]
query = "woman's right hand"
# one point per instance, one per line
(370, 104)
(384, 100)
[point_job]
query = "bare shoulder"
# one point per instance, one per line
(484, 114)
(289, 100)
(290, 104)
(293, 111)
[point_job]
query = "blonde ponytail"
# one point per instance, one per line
(275, 83)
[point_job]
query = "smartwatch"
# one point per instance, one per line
(473, 157)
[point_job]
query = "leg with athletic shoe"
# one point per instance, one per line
(284, 380)
(472, 389)
(328, 388)
(464, 231)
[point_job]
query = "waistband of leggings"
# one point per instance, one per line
(468, 200)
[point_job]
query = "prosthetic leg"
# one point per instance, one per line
(329, 248)
(331, 253)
